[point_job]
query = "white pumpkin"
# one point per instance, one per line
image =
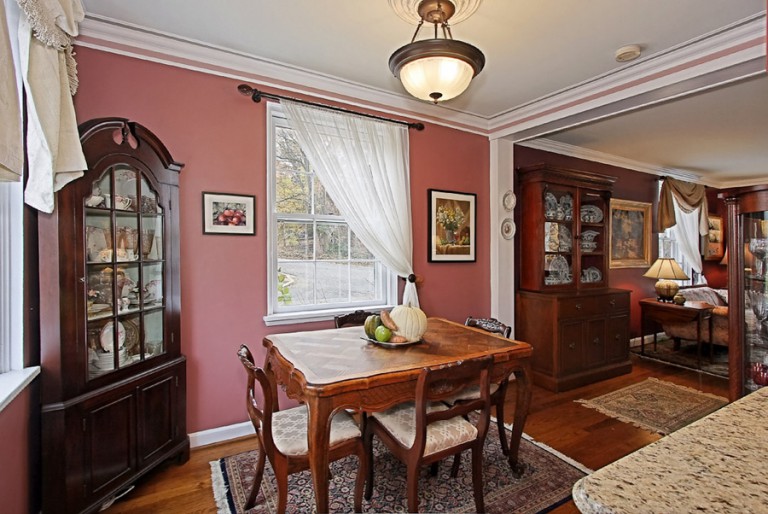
(411, 322)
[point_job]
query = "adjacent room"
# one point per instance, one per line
(421, 256)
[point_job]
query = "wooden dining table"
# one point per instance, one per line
(338, 369)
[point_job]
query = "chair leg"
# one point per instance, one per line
(477, 477)
(502, 428)
(362, 473)
(281, 476)
(368, 442)
(257, 481)
(412, 488)
(456, 465)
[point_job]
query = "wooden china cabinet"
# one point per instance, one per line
(578, 326)
(747, 210)
(114, 378)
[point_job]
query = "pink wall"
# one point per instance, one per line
(220, 137)
(16, 469)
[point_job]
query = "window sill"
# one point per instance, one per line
(13, 382)
(291, 318)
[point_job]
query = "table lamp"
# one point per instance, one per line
(666, 270)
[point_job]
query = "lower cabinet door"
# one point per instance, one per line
(571, 347)
(157, 417)
(109, 435)
(617, 338)
(594, 347)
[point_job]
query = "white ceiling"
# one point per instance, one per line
(533, 48)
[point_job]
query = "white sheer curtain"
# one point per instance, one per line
(687, 232)
(363, 164)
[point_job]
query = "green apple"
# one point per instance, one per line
(383, 334)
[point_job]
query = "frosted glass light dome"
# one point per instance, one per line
(436, 69)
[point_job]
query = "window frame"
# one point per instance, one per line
(277, 315)
(15, 379)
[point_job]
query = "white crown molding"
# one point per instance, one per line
(549, 145)
(121, 38)
(735, 44)
(578, 152)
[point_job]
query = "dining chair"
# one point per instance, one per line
(353, 318)
(498, 391)
(426, 430)
(283, 435)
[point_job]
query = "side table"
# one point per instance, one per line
(661, 312)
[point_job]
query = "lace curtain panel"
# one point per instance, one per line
(363, 165)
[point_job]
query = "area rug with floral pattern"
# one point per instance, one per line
(656, 405)
(545, 484)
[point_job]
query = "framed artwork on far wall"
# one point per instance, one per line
(452, 226)
(629, 224)
(225, 213)
(714, 249)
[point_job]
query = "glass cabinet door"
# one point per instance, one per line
(124, 271)
(558, 229)
(755, 226)
(593, 214)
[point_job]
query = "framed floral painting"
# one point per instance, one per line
(452, 226)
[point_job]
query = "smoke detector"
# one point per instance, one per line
(628, 53)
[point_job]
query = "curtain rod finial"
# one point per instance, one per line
(247, 90)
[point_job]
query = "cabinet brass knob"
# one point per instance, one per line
(578, 306)
(572, 346)
(613, 302)
(596, 340)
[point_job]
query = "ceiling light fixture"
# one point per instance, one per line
(436, 69)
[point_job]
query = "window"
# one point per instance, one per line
(669, 246)
(317, 266)
(13, 378)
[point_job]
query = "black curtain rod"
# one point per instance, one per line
(257, 95)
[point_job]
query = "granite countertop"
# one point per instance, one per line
(716, 464)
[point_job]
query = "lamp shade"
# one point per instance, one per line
(666, 270)
(436, 69)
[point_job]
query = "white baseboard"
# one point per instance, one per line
(635, 341)
(220, 434)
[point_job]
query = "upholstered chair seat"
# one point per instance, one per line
(289, 430)
(400, 421)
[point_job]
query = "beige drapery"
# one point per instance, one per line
(41, 38)
(689, 196)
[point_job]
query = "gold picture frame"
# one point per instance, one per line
(629, 225)
(714, 249)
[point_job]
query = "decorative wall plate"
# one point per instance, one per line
(508, 228)
(508, 201)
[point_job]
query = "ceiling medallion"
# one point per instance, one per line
(407, 10)
(436, 69)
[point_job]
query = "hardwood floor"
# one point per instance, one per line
(583, 434)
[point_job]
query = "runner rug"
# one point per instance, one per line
(656, 405)
(546, 483)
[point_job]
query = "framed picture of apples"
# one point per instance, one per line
(225, 213)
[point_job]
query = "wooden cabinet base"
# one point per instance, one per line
(569, 382)
(577, 337)
(103, 441)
